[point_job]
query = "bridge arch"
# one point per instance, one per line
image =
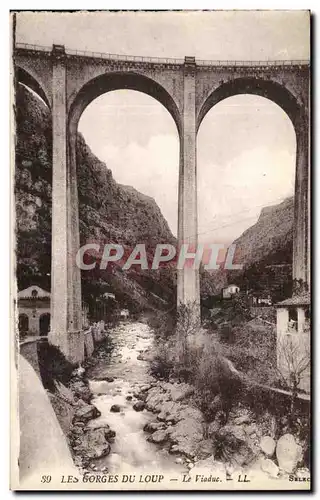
(271, 90)
(30, 81)
(120, 81)
(297, 111)
(95, 87)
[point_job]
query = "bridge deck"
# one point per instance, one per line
(159, 60)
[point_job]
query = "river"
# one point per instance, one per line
(130, 452)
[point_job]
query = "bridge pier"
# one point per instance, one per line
(65, 331)
(301, 237)
(188, 289)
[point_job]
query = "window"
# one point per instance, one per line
(293, 319)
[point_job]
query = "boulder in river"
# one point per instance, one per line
(145, 388)
(76, 431)
(158, 436)
(153, 427)
(93, 444)
(268, 445)
(186, 435)
(269, 467)
(86, 413)
(155, 399)
(81, 390)
(289, 453)
(140, 395)
(139, 406)
(115, 408)
(234, 445)
(110, 435)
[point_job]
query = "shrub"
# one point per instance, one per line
(174, 355)
(252, 350)
(162, 363)
(53, 365)
(195, 358)
(163, 323)
(216, 384)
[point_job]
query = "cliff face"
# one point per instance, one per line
(108, 212)
(265, 251)
(270, 238)
(111, 212)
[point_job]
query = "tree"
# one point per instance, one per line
(293, 366)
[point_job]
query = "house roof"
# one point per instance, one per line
(27, 293)
(296, 300)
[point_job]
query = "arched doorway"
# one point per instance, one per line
(44, 324)
(23, 325)
(133, 131)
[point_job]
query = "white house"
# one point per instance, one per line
(293, 339)
(229, 291)
(34, 311)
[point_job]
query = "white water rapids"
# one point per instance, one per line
(130, 452)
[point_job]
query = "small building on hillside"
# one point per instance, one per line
(261, 300)
(229, 291)
(34, 311)
(293, 340)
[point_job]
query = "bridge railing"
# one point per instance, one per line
(117, 57)
(30, 46)
(102, 55)
(160, 60)
(253, 63)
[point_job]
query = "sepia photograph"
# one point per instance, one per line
(161, 309)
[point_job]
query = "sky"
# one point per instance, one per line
(246, 144)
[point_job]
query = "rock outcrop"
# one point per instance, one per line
(91, 443)
(265, 251)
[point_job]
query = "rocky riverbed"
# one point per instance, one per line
(125, 420)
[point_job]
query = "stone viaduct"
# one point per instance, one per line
(69, 80)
